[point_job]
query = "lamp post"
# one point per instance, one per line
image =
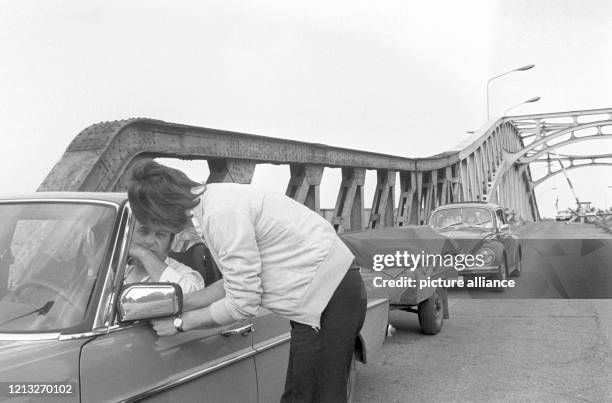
(534, 99)
(527, 67)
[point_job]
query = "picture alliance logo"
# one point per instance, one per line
(411, 261)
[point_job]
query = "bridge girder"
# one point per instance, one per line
(552, 173)
(484, 168)
(537, 135)
(541, 146)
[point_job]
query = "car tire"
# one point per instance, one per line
(518, 266)
(431, 314)
(351, 380)
(503, 274)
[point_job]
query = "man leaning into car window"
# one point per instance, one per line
(149, 261)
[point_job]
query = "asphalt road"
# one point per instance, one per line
(497, 351)
(533, 343)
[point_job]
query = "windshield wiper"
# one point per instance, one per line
(43, 310)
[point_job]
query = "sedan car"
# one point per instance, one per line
(68, 320)
(479, 229)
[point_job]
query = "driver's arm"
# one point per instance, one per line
(151, 263)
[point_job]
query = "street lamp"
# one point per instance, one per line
(527, 67)
(534, 99)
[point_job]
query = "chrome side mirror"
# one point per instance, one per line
(149, 300)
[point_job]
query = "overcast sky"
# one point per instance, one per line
(397, 77)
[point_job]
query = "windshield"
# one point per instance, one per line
(462, 216)
(50, 254)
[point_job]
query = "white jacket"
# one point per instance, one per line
(272, 251)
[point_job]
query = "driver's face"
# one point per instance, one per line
(153, 237)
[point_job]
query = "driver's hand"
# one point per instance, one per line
(137, 251)
(164, 326)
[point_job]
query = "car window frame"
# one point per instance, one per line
(86, 328)
(500, 218)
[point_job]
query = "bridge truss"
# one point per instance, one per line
(492, 165)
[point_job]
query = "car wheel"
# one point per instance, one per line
(503, 274)
(350, 381)
(518, 267)
(431, 314)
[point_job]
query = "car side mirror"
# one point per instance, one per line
(504, 227)
(139, 301)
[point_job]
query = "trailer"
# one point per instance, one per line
(386, 258)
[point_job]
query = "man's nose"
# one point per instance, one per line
(148, 240)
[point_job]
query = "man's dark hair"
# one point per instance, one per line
(161, 195)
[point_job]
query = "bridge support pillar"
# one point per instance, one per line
(465, 185)
(230, 170)
(348, 213)
(383, 204)
(405, 207)
(304, 185)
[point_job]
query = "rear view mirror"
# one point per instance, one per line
(149, 300)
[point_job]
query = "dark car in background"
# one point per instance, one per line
(480, 228)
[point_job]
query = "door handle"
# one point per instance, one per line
(243, 330)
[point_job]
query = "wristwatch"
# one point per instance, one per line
(178, 323)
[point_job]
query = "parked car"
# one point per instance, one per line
(563, 215)
(480, 228)
(66, 318)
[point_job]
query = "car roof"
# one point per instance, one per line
(113, 197)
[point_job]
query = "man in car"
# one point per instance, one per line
(149, 261)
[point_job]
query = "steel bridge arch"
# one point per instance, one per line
(549, 175)
(540, 130)
(482, 168)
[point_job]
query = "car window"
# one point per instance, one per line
(462, 216)
(50, 257)
(501, 220)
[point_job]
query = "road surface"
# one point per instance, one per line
(559, 261)
(533, 343)
(497, 351)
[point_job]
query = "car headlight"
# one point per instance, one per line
(487, 256)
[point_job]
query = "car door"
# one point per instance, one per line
(131, 362)
(271, 336)
(128, 361)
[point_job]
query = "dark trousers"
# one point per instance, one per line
(319, 359)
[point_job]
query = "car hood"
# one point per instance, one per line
(468, 238)
(40, 360)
